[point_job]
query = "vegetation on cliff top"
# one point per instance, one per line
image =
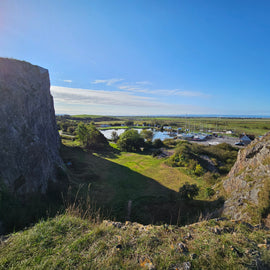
(69, 242)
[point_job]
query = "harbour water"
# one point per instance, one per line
(162, 135)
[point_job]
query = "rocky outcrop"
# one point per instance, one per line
(248, 183)
(29, 140)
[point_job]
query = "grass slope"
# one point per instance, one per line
(69, 242)
(117, 179)
(172, 178)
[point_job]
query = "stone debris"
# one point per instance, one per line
(128, 225)
(183, 266)
(181, 247)
(188, 236)
(193, 256)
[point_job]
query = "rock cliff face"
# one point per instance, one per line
(248, 183)
(29, 140)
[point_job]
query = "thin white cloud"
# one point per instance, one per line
(133, 88)
(144, 83)
(89, 97)
(76, 101)
(107, 82)
(141, 87)
(182, 93)
(162, 92)
(67, 81)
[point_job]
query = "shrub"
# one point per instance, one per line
(130, 141)
(147, 135)
(157, 143)
(156, 153)
(209, 192)
(190, 155)
(129, 123)
(211, 178)
(188, 191)
(199, 170)
(192, 164)
(71, 129)
(169, 142)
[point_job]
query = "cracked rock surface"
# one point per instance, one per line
(29, 140)
(248, 182)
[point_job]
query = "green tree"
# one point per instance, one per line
(114, 136)
(64, 126)
(129, 123)
(130, 141)
(158, 143)
(71, 129)
(82, 132)
(147, 134)
(91, 137)
(188, 191)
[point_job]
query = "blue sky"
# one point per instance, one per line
(143, 57)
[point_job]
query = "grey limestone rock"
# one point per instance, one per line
(29, 140)
(248, 181)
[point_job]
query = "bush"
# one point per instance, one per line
(130, 141)
(156, 153)
(211, 178)
(129, 123)
(192, 164)
(209, 192)
(91, 137)
(71, 129)
(147, 135)
(169, 143)
(189, 155)
(188, 192)
(157, 143)
(199, 170)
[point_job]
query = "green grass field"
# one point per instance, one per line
(115, 178)
(87, 116)
(254, 126)
(169, 177)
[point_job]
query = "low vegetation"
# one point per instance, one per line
(69, 242)
(200, 159)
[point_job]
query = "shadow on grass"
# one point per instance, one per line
(108, 152)
(124, 194)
